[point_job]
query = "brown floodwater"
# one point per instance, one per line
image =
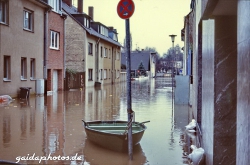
(51, 126)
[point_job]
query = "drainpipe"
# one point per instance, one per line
(45, 45)
(112, 65)
(97, 57)
(64, 47)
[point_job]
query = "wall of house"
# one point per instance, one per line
(117, 66)
(194, 86)
(225, 91)
(207, 88)
(91, 61)
(55, 57)
(18, 43)
(213, 93)
(109, 63)
(243, 85)
(152, 65)
(75, 46)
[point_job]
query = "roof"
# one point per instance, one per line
(42, 3)
(91, 31)
(136, 58)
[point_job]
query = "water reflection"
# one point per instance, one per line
(52, 126)
(98, 155)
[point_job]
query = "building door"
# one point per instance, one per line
(55, 81)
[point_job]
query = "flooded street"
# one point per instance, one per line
(52, 126)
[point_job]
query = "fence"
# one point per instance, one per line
(74, 80)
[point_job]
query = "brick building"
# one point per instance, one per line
(54, 53)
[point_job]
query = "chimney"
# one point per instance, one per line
(91, 12)
(111, 28)
(80, 6)
(68, 2)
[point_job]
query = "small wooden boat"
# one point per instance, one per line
(113, 134)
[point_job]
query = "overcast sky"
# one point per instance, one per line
(150, 25)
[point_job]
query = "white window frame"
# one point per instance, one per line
(32, 68)
(28, 20)
(54, 4)
(7, 68)
(104, 31)
(90, 74)
(54, 40)
(3, 11)
(105, 52)
(105, 74)
(86, 22)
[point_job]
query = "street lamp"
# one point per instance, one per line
(172, 38)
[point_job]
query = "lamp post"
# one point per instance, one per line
(172, 39)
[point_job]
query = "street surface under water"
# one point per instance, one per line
(52, 125)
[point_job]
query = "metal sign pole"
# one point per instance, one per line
(125, 10)
(129, 108)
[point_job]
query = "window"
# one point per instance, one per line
(54, 4)
(104, 31)
(6, 68)
(86, 22)
(118, 55)
(115, 37)
(90, 74)
(27, 20)
(105, 52)
(3, 11)
(109, 53)
(90, 48)
(32, 68)
(105, 74)
(23, 68)
(54, 40)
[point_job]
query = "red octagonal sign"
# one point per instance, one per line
(125, 8)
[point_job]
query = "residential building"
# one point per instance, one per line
(54, 51)
(22, 44)
(219, 71)
(145, 59)
(92, 49)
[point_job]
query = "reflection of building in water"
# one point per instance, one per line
(54, 126)
(6, 131)
(21, 130)
(102, 104)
